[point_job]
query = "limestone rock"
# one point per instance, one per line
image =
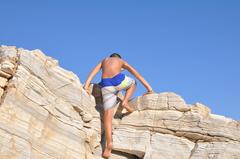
(3, 82)
(137, 141)
(201, 109)
(164, 146)
(162, 101)
(1, 92)
(38, 109)
(87, 117)
(46, 113)
(7, 67)
(216, 150)
(8, 53)
(4, 74)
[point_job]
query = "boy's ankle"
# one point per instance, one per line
(109, 145)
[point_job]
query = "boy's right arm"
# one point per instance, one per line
(138, 76)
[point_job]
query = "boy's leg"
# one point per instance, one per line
(109, 101)
(107, 119)
(129, 93)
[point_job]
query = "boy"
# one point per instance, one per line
(112, 82)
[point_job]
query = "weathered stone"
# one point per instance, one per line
(162, 101)
(1, 92)
(7, 67)
(87, 117)
(46, 113)
(3, 82)
(164, 146)
(63, 83)
(9, 52)
(46, 118)
(137, 141)
(212, 150)
(4, 74)
(201, 109)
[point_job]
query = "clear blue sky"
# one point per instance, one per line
(188, 47)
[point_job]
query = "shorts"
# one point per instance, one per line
(111, 86)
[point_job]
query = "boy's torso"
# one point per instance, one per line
(111, 66)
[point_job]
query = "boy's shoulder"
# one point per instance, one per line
(106, 58)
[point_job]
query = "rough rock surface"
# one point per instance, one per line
(46, 114)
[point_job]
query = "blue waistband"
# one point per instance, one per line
(114, 81)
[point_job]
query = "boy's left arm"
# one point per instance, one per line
(91, 75)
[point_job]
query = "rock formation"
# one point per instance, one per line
(46, 114)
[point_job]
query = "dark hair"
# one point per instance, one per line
(115, 55)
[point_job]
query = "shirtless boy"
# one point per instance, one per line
(111, 83)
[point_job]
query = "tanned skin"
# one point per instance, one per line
(112, 66)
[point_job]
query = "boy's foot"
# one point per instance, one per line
(107, 151)
(126, 106)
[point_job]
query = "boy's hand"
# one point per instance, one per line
(87, 90)
(148, 92)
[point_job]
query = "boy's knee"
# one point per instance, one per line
(134, 84)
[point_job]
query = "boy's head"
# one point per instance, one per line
(115, 55)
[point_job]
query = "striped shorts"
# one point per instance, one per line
(111, 86)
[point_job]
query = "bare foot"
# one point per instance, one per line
(126, 106)
(107, 151)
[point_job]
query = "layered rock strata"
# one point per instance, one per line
(45, 113)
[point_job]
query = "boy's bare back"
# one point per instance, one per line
(111, 66)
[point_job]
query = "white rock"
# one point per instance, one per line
(165, 146)
(7, 67)
(3, 82)
(4, 74)
(221, 150)
(131, 141)
(45, 113)
(1, 92)
(9, 52)
(201, 109)
(87, 117)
